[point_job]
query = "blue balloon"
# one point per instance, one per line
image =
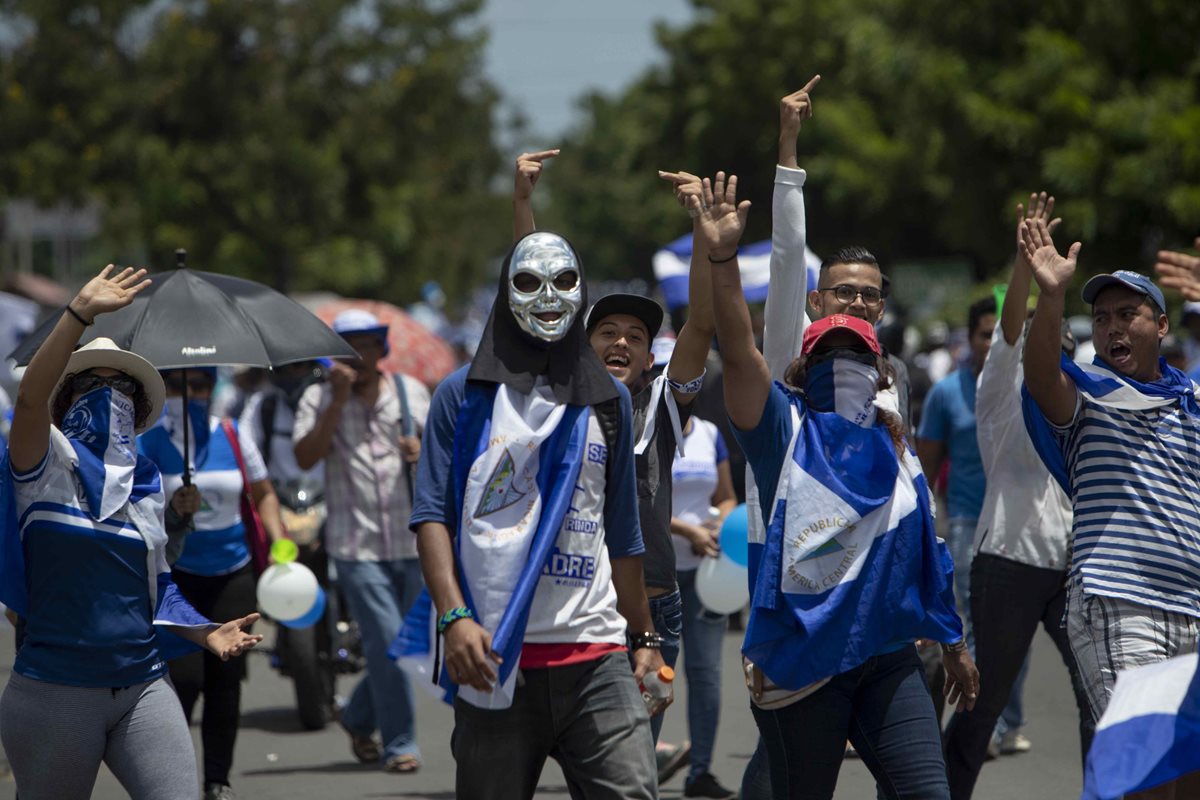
(312, 617)
(733, 536)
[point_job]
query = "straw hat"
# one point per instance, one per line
(103, 352)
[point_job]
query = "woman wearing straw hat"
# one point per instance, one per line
(86, 570)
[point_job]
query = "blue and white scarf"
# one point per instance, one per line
(851, 566)
(513, 484)
(1104, 386)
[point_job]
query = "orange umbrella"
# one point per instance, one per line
(415, 350)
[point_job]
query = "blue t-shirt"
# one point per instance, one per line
(434, 495)
(949, 417)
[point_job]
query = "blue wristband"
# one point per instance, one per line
(452, 616)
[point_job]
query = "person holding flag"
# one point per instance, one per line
(851, 571)
(85, 567)
(527, 526)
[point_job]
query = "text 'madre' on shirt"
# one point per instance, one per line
(1133, 478)
(554, 619)
(949, 417)
(366, 492)
(1026, 517)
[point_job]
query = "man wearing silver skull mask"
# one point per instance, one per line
(620, 330)
(527, 525)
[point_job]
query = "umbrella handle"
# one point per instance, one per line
(187, 472)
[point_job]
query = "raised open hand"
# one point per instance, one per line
(529, 169)
(1180, 271)
(720, 218)
(107, 292)
(1051, 270)
(1041, 206)
(686, 185)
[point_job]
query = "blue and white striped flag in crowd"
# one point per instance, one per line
(1150, 732)
(672, 262)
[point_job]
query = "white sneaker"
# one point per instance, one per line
(1013, 742)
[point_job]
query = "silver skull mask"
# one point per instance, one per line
(544, 279)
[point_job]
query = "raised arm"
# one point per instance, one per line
(1180, 271)
(529, 169)
(1012, 317)
(720, 223)
(1051, 389)
(784, 317)
(31, 414)
(693, 341)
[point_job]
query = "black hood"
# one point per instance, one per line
(510, 356)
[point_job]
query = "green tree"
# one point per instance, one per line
(934, 118)
(326, 144)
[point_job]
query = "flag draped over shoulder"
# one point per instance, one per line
(1102, 385)
(560, 458)
(1150, 731)
(851, 566)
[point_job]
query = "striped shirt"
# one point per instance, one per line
(366, 491)
(1133, 486)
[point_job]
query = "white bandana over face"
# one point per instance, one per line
(544, 279)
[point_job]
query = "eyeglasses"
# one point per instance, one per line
(845, 293)
(198, 383)
(89, 381)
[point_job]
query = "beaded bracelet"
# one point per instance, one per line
(452, 616)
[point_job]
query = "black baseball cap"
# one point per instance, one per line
(643, 308)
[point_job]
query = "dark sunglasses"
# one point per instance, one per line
(89, 381)
(195, 383)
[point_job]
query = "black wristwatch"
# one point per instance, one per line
(652, 639)
(957, 647)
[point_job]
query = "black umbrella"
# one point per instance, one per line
(187, 318)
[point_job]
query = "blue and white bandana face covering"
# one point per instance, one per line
(100, 426)
(844, 385)
(198, 428)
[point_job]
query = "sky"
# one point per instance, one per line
(544, 54)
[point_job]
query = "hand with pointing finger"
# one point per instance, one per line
(529, 169)
(793, 110)
(686, 185)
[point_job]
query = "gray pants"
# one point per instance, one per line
(56, 736)
(588, 717)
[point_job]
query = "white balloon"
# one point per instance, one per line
(721, 585)
(287, 591)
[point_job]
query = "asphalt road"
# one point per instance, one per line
(276, 760)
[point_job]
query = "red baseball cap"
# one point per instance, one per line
(860, 327)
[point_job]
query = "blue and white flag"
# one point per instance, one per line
(851, 566)
(673, 262)
(1150, 731)
(497, 447)
(1102, 385)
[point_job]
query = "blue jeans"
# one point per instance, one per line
(667, 612)
(588, 717)
(379, 594)
(883, 707)
(960, 539)
(703, 635)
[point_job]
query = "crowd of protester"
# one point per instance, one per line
(914, 514)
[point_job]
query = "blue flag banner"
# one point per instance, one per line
(851, 566)
(1099, 383)
(1150, 732)
(673, 263)
(560, 458)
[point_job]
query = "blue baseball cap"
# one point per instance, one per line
(1130, 280)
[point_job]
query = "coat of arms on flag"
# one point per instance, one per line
(500, 492)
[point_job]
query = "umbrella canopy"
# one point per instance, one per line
(187, 318)
(414, 349)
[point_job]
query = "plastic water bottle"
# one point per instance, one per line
(657, 689)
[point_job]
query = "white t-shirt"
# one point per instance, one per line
(694, 480)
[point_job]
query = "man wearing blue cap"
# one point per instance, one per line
(359, 423)
(1120, 436)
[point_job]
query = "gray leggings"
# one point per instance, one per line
(56, 736)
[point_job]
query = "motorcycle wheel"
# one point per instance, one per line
(314, 688)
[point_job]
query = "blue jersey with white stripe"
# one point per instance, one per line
(217, 545)
(88, 582)
(1134, 476)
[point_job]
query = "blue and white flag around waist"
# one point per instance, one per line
(851, 566)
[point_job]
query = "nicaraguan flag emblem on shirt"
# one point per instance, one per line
(500, 492)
